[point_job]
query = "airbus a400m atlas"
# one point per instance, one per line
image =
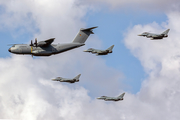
(45, 48)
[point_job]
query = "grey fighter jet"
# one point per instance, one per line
(155, 36)
(60, 79)
(45, 48)
(112, 98)
(100, 52)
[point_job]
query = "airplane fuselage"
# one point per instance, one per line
(113, 99)
(69, 80)
(66, 80)
(110, 98)
(25, 49)
(153, 36)
(98, 52)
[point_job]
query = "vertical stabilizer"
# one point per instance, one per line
(83, 34)
(77, 77)
(166, 32)
(110, 48)
(121, 96)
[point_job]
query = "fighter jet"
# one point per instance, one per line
(100, 52)
(155, 36)
(60, 79)
(45, 48)
(112, 98)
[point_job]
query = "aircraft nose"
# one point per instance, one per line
(9, 49)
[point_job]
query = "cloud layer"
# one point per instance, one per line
(150, 5)
(26, 91)
(160, 59)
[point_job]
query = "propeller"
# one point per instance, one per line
(31, 47)
(31, 43)
(35, 43)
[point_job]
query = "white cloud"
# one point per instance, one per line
(150, 5)
(26, 91)
(160, 59)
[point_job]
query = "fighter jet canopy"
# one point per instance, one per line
(103, 96)
(90, 49)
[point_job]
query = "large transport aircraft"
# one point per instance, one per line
(45, 48)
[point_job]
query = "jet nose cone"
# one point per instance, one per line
(9, 49)
(139, 35)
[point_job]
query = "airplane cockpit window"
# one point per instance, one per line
(13, 46)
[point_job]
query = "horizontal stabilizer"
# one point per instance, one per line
(83, 34)
(88, 29)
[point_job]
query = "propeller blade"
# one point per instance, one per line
(31, 43)
(35, 42)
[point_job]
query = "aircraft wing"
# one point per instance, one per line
(45, 43)
(49, 41)
(100, 51)
(156, 36)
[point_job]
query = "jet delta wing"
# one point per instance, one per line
(100, 52)
(155, 36)
(112, 98)
(60, 79)
(46, 48)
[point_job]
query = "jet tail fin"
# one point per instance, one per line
(110, 48)
(83, 34)
(122, 95)
(166, 32)
(77, 77)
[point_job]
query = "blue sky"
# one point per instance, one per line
(111, 28)
(150, 80)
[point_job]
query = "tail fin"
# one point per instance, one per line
(122, 95)
(77, 77)
(110, 48)
(166, 32)
(83, 34)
